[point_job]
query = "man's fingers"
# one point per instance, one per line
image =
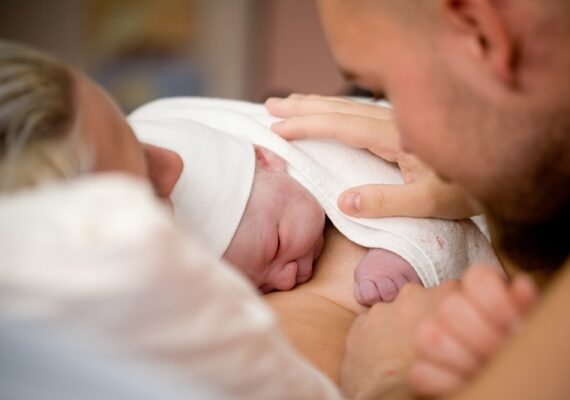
(378, 136)
(427, 379)
(374, 201)
(487, 289)
(300, 96)
(449, 201)
(434, 345)
(461, 319)
(369, 126)
(299, 105)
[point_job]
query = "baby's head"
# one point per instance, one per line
(281, 231)
(240, 202)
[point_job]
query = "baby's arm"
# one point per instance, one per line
(380, 275)
(470, 326)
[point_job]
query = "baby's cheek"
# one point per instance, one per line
(242, 259)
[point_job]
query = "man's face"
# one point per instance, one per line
(498, 144)
(381, 55)
(280, 233)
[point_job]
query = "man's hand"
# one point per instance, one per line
(468, 329)
(379, 353)
(370, 126)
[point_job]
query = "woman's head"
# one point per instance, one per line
(38, 131)
(281, 231)
(57, 124)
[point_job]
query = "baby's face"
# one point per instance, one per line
(281, 231)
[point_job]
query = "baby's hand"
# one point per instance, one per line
(471, 324)
(380, 275)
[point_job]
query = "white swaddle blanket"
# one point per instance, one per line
(437, 249)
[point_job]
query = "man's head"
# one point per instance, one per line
(281, 231)
(481, 93)
(57, 124)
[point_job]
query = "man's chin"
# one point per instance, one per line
(533, 247)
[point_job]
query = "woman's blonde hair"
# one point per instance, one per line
(39, 139)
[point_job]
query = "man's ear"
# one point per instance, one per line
(480, 25)
(269, 160)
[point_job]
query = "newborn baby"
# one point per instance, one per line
(281, 234)
(265, 212)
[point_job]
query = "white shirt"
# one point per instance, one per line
(102, 254)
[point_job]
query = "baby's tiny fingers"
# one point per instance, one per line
(367, 293)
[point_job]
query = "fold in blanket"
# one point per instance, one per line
(437, 249)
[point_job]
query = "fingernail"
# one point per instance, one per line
(351, 202)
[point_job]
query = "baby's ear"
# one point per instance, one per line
(267, 159)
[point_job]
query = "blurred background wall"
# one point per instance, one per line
(144, 49)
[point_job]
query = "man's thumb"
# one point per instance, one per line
(374, 201)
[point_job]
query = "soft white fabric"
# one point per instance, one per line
(101, 254)
(212, 192)
(437, 249)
